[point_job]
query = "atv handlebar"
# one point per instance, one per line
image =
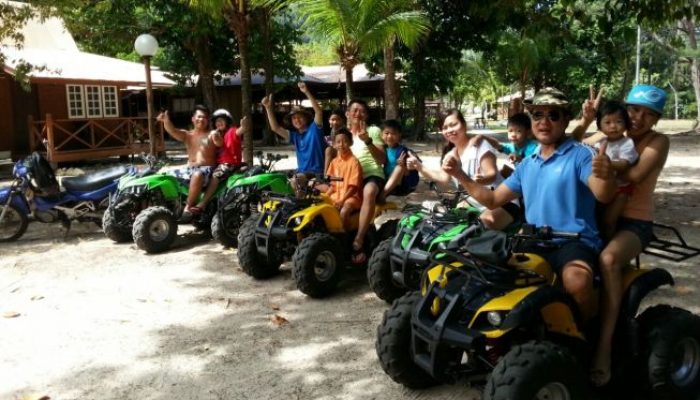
(529, 231)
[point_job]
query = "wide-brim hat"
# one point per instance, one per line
(548, 97)
(297, 110)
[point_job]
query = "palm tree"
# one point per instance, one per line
(359, 28)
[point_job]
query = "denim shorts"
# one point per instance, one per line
(186, 173)
(644, 230)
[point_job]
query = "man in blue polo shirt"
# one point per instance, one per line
(560, 184)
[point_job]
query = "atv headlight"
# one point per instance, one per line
(297, 221)
(495, 318)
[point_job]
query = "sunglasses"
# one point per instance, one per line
(552, 116)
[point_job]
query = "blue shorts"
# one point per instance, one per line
(186, 173)
(644, 230)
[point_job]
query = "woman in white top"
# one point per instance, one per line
(478, 161)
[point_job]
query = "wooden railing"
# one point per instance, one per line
(81, 139)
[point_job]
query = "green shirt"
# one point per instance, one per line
(370, 167)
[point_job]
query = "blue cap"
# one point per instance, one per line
(648, 96)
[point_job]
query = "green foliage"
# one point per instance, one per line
(315, 54)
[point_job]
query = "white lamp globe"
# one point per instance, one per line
(146, 45)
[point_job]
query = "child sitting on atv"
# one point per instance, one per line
(520, 142)
(345, 194)
(400, 181)
(230, 158)
(305, 133)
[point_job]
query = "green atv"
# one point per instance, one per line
(398, 262)
(243, 197)
(279, 234)
(493, 313)
(146, 208)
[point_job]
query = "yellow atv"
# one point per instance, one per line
(493, 313)
(268, 239)
(320, 257)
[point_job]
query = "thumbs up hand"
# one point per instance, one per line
(601, 166)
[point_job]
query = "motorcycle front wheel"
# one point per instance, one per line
(13, 222)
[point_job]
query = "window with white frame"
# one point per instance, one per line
(92, 101)
(75, 101)
(110, 108)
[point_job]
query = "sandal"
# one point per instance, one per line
(196, 210)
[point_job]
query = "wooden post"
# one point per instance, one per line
(49, 136)
(149, 106)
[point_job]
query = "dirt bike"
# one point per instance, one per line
(35, 192)
(274, 236)
(491, 312)
(243, 197)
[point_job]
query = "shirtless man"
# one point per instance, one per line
(201, 155)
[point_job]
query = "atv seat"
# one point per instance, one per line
(93, 181)
(490, 247)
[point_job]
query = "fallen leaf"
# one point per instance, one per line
(275, 307)
(37, 297)
(11, 314)
(683, 289)
(279, 320)
(35, 397)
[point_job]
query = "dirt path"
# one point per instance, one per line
(103, 321)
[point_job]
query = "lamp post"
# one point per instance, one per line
(146, 46)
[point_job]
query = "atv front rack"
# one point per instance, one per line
(668, 244)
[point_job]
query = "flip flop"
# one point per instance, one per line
(196, 210)
(599, 378)
(185, 217)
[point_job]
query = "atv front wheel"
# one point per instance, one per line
(113, 229)
(393, 344)
(250, 261)
(155, 229)
(379, 274)
(672, 353)
(13, 224)
(537, 370)
(317, 263)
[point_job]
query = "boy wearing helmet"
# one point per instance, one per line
(227, 138)
(560, 184)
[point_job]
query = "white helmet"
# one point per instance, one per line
(222, 113)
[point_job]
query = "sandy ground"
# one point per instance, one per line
(83, 318)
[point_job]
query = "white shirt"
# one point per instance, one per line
(620, 150)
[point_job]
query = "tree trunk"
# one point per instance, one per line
(206, 73)
(689, 29)
(419, 117)
(349, 93)
(239, 22)
(391, 88)
(269, 137)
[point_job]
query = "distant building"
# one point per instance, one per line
(74, 108)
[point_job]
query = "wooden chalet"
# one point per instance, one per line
(73, 109)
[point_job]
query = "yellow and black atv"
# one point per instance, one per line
(308, 230)
(494, 314)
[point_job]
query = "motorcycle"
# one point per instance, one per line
(35, 192)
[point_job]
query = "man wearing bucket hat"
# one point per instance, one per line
(645, 104)
(560, 184)
(305, 133)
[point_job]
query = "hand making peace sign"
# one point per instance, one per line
(590, 106)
